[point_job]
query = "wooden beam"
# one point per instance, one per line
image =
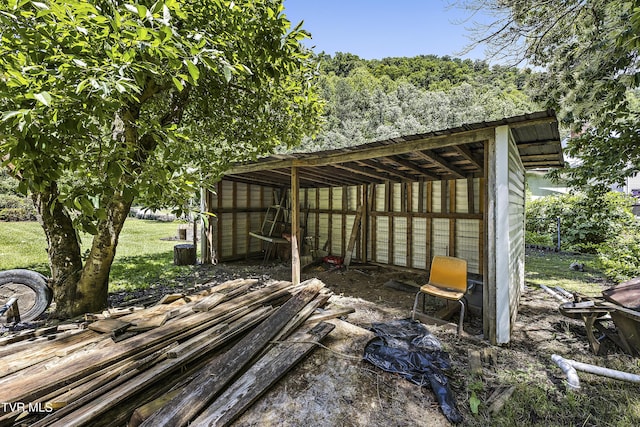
(335, 178)
(452, 221)
(295, 226)
(371, 175)
(261, 376)
(393, 172)
(440, 161)
(411, 165)
(429, 230)
(401, 147)
(353, 236)
(464, 151)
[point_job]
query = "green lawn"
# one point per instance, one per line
(142, 257)
(552, 269)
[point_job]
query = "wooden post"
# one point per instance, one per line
(354, 234)
(295, 226)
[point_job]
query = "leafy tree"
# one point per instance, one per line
(369, 100)
(108, 101)
(589, 50)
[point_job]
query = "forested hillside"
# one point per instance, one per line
(369, 100)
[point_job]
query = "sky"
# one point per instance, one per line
(375, 29)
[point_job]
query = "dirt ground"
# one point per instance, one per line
(335, 387)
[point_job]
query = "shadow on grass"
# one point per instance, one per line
(134, 272)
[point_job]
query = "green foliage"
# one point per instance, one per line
(369, 100)
(8, 184)
(539, 238)
(587, 219)
(589, 53)
(146, 99)
(619, 257)
(598, 223)
(16, 208)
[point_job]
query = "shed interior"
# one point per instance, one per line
(396, 202)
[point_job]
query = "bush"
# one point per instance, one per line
(16, 208)
(599, 223)
(587, 220)
(537, 239)
(619, 257)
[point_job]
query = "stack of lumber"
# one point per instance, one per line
(198, 360)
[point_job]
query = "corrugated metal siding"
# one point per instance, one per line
(336, 235)
(408, 235)
(382, 240)
(324, 198)
(349, 219)
(399, 235)
(396, 191)
(419, 243)
(352, 199)
(378, 198)
(337, 198)
(436, 205)
(440, 237)
(323, 230)
(516, 227)
(467, 235)
(462, 197)
(415, 196)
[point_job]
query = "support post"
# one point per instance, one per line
(295, 226)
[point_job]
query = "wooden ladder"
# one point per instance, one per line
(275, 214)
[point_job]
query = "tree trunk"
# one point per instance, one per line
(93, 286)
(63, 249)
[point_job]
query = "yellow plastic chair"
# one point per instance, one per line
(448, 280)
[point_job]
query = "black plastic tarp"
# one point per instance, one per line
(408, 348)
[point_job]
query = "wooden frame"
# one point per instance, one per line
(458, 192)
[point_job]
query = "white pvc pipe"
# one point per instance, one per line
(554, 294)
(569, 367)
(572, 376)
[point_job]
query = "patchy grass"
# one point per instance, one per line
(552, 269)
(142, 257)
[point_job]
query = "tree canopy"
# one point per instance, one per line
(106, 101)
(588, 51)
(369, 100)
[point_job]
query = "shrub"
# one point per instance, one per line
(586, 219)
(16, 208)
(619, 257)
(538, 239)
(599, 223)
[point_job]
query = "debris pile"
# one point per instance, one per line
(198, 360)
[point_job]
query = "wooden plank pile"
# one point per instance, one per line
(198, 360)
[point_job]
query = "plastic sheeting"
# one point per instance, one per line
(408, 348)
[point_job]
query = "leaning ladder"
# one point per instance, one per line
(274, 214)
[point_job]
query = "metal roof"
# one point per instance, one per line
(439, 155)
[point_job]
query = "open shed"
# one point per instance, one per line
(398, 202)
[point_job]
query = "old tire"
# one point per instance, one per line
(34, 296)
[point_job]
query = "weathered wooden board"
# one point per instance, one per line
(107, 326)
(92, 405)
(31, 385)
(261, 376)
(219, 372)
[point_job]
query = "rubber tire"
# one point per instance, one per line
(37, 283)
